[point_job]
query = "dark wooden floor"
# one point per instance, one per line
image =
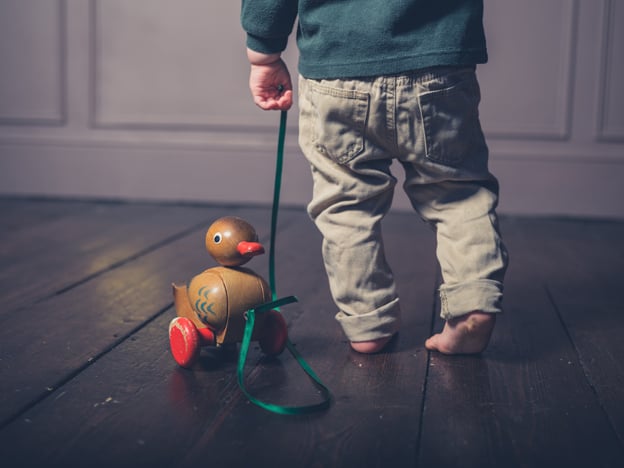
(86, 377)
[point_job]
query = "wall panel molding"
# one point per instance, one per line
(33, 57)
(164, 68)
(526, 124)
(610, 124)
(135, 174)
(96, 115)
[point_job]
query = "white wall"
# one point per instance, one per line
(148, 99)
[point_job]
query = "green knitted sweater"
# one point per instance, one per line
(359, 38)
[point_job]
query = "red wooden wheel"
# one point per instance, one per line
(274, 334)
(184, 341)
(206, 337)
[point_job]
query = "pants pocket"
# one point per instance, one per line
(338, 120)
(450, 119)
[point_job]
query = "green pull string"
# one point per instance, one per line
(250, 315)
(279, 409)
(276, 197)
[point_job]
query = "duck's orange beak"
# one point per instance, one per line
(250, 249)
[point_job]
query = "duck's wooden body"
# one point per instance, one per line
(218, 298)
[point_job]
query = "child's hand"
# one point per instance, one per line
(271, 86)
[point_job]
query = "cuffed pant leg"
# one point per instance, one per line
(353, 190)
(360, 279)
(470, 251)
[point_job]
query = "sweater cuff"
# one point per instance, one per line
(266, 45)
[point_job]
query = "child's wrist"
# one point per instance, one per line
(259, 58)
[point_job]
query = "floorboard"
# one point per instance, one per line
(525, 402)
(584, 281)
(375, 415)
(86, 243)
(50, 340)
(86, 373)
(133, 407)
(18, 213)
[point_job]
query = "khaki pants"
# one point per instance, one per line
(350, 131)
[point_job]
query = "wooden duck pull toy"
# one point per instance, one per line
(211, 309)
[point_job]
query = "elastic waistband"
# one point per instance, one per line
(420, 76)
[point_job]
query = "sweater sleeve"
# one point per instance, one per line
(268, 23)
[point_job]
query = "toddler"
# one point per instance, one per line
(384, 80)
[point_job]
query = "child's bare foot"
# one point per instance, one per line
(370, 347)
(468, 334)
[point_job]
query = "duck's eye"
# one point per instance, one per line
(217, 238)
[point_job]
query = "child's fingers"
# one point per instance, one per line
(281, 101)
